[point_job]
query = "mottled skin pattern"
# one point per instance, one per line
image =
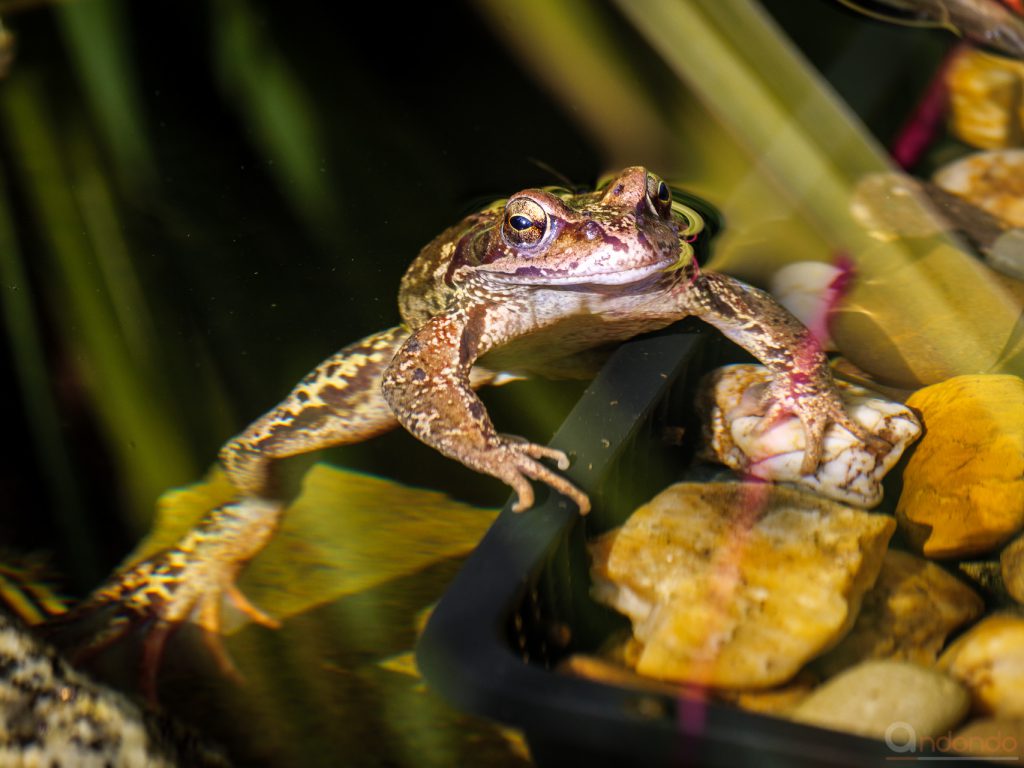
(528, 286)
(53, 716)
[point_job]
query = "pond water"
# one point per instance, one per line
(200, 204)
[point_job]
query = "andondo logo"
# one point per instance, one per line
(902, 739)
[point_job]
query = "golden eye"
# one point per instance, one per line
(525, 222)
(659, 195)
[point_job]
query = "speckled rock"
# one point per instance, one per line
(989, 660)
(984, 98)
(848, 472)
(737, 585)
(993, 181)
(986, 577)
(51, 715)
(869, 698)
(906, 616)
(963, 487)
(616, 665)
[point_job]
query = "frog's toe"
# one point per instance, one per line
(519, 463)
(774, 413)
(813, 450)
(242, 603)
(816, 426)
(560, 458)
(156, 597)
(815, 423)
(862, 433)
(202, 608)
(86, 630)
(523, 490)
(874, 443)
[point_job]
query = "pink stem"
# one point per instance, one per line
(925, 121)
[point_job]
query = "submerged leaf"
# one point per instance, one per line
(345, 533)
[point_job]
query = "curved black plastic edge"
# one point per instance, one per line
(465, 655)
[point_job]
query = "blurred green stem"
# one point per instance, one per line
(108, 332)
(99, 41)
(275, 107)
(26, 342)
(793, 127)
(570, 50)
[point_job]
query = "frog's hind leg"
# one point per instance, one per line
(187, 582)
(340, 402)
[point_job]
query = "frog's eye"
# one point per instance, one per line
(525, 222)
(659, 195)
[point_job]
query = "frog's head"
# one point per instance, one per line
(626, 232)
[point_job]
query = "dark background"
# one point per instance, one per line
(269, 171)
(419, 113)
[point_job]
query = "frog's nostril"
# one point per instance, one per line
(592, 230)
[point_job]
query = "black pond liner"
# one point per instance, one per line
(520, 603)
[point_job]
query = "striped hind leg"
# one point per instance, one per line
(338, 403)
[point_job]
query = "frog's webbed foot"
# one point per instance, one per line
(516, 461)
(187, 583)
(818, 406)
(429, 390)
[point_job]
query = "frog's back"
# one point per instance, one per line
(424, 291)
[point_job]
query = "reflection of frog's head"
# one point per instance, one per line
(627, 232)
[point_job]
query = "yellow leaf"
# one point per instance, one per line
(345, 533)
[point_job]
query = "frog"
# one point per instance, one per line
(530, 285)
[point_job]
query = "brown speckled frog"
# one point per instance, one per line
(526, 286)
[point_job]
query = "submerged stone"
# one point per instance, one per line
(849, 471)
(991, 737)
(984, 92)
(1011, 567)
(963, 487)
(53, 715)
(906, 616)
(870, 698)
(737, 585)
(993, 181)
(989, 660)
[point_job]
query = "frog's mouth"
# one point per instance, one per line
(673, 261)
(536, 274)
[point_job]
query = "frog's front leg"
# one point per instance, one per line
(428, 388)
(338, 403)
(802, 383)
